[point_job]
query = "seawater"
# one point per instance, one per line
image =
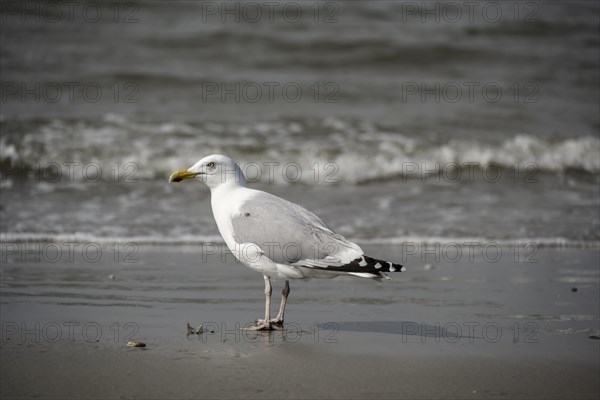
(389, 123)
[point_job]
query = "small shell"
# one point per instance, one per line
(136, 343)
(192, 331)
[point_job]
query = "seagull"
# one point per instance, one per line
(275, 237)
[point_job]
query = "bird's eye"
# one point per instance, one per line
(210, 165)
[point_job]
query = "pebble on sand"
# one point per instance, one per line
(136, 343)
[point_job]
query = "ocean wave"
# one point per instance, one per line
(187, 240)
(284, 151)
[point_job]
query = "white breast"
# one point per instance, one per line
(226, 202)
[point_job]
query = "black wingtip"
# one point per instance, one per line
(366, 264)
(380, 265)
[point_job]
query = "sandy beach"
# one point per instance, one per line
(445, 330)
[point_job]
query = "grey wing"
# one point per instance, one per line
(289, 234)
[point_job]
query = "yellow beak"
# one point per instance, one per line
(181, 175)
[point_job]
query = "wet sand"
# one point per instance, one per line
(297, 371)
(467, 329)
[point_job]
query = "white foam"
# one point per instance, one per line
(20, 237)
(359, 152)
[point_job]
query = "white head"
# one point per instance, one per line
(214, 171)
